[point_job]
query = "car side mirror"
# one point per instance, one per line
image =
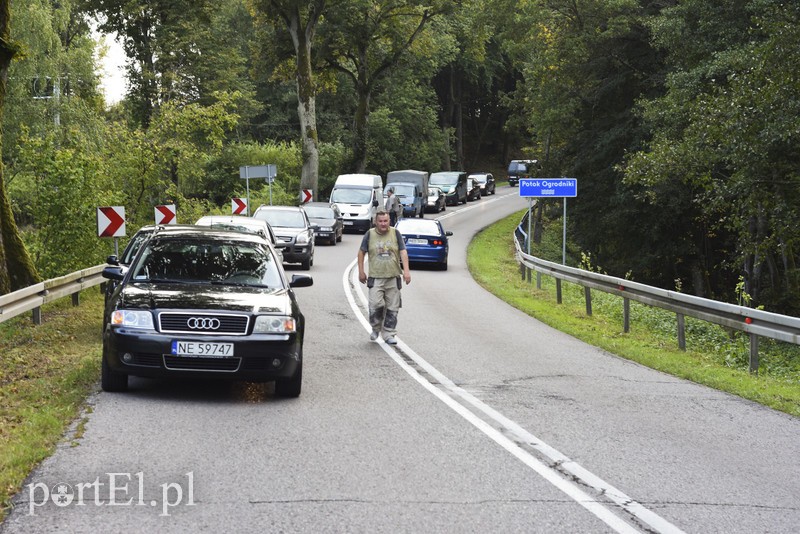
(448, 233)
(112, 260)
(374, 203)
(301, 280)
(113, 273)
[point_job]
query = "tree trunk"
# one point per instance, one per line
(16, 268)
(459, 120)
(361, 130)
(306, 105)
(447, 119)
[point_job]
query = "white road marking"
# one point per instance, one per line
(501, 428)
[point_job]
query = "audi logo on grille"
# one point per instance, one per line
(203, 323)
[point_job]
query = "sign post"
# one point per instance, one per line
(550, 188)
(259, 171)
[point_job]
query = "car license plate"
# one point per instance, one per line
(413, 241)
(203, 349)
(348, 223)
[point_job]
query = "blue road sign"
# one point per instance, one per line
(548, 187)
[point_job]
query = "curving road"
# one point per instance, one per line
(481, 419)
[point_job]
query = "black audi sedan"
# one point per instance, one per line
(202, 302)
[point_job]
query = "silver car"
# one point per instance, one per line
(293, 230)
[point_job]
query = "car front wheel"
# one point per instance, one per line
(111, 380)
(290, 388)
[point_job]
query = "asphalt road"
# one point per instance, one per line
(481, 419)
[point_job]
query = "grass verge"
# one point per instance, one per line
(714, 356)
(46, 373)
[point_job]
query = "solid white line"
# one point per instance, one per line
(654, 521)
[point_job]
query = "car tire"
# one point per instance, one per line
(443, 265)
(305, 264)
(339, 239)
(111, 380)
(290, 388)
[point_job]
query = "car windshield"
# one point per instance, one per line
(235, 226)
(518, 166)
(133, 247)
(207, 261)
(434, 191)
(282, 218)
(418, 226)
(351, 195)
(444, 178)
(319, 212)
(402, 190)
(480, 178)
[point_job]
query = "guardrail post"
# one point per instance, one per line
(522, 270)
(37, 315)
(681, 332)
(754, 353)
(76, 299)
(528, 274)
(626, 314)
(588, 294)
(538, 280)
(558, 290)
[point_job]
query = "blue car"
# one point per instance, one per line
(426, 241)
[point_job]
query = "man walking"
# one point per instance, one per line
(393, 206)
(388, 262)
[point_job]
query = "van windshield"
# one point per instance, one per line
(401, 190)
(348, 195)
(517, 167)
(444, 178)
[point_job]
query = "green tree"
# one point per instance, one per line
(178, 51)
(16, 268)
(51, 84)
(300, 19)
(727, 132)
(585, 64)
(364, 39)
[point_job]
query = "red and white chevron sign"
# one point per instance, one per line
(239, 206)
(166, 214)
(306, 195)
(111, 221)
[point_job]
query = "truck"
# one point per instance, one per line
(357, 196)
(413, 203)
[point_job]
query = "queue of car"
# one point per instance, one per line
(213, 299)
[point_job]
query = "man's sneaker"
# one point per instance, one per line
(374, 335)
(391, 340)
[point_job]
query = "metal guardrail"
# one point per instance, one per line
(754, 322)
(35, 296)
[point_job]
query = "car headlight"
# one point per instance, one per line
(132, 318)
(274, 324)
(302, 239)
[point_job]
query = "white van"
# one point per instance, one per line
(357, 196)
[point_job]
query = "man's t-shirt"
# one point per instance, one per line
(383, 252)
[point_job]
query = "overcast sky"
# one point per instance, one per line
(113, 69)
